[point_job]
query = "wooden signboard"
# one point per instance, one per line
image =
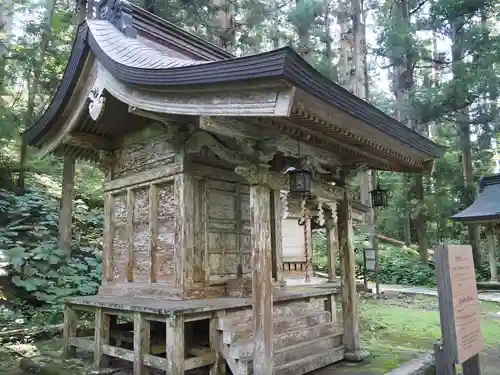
(458, 305)
(370, 259)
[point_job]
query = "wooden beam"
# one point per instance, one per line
(267, 138)
(66, 211)
(88, 141)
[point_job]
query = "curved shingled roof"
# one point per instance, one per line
(117, 45)
(486, 207)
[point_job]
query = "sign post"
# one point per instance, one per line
(460, 318)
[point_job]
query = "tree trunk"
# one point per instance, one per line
(66, 210)
(345, 65)
(463, 128)
(33, 90)
(224, 32)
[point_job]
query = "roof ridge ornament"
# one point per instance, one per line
(119, 13)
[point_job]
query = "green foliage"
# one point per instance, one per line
(41, 273)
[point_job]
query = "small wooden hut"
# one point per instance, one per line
(297, 261)
(485, 211)
(194, 143)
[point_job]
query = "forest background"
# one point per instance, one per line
(432, 64)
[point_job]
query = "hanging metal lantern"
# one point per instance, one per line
(379, 197)
(300, 181)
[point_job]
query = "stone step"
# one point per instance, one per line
(296, 352)
(244, 348)
(311, 362)
(241, 331)
(299, 308)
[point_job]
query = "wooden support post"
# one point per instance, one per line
(70, 328)
(331, 249)
(66, 211)
(219, 365)
(347, 269)
(472, 366)
(262, 290)
(308, 248)
(443, 365)
(491, 254)
(101, 337)
(260, 182)
(277, 238)
(108, 233)
(142, 343)
(175, 345)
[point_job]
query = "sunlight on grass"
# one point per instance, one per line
(394, 334)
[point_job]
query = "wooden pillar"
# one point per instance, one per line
(491, 253)
(101, 337)
(262, 287)
(70, 328)
(175, 345)
(331, 249)
(347, 269)
(277, 237)
(142, 343)
(66, 211)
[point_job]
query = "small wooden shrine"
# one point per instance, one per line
(485, 210)
(297, 257)
(195, 144)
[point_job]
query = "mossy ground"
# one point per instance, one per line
(393, 329)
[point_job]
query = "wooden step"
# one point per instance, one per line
(244, 348)
(311, 362)
(241, 331)
(296, 352)
(297, 309)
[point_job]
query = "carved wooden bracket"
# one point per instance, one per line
(261, 175)
(247, 154)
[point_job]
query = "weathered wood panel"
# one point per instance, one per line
(165, 241)
(119, 251)
(141, 236)
(228, 230)
(143, 151)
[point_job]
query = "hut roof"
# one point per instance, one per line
(486, 207)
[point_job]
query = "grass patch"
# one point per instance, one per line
(398, 329)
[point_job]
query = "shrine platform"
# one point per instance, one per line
(209, 333)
